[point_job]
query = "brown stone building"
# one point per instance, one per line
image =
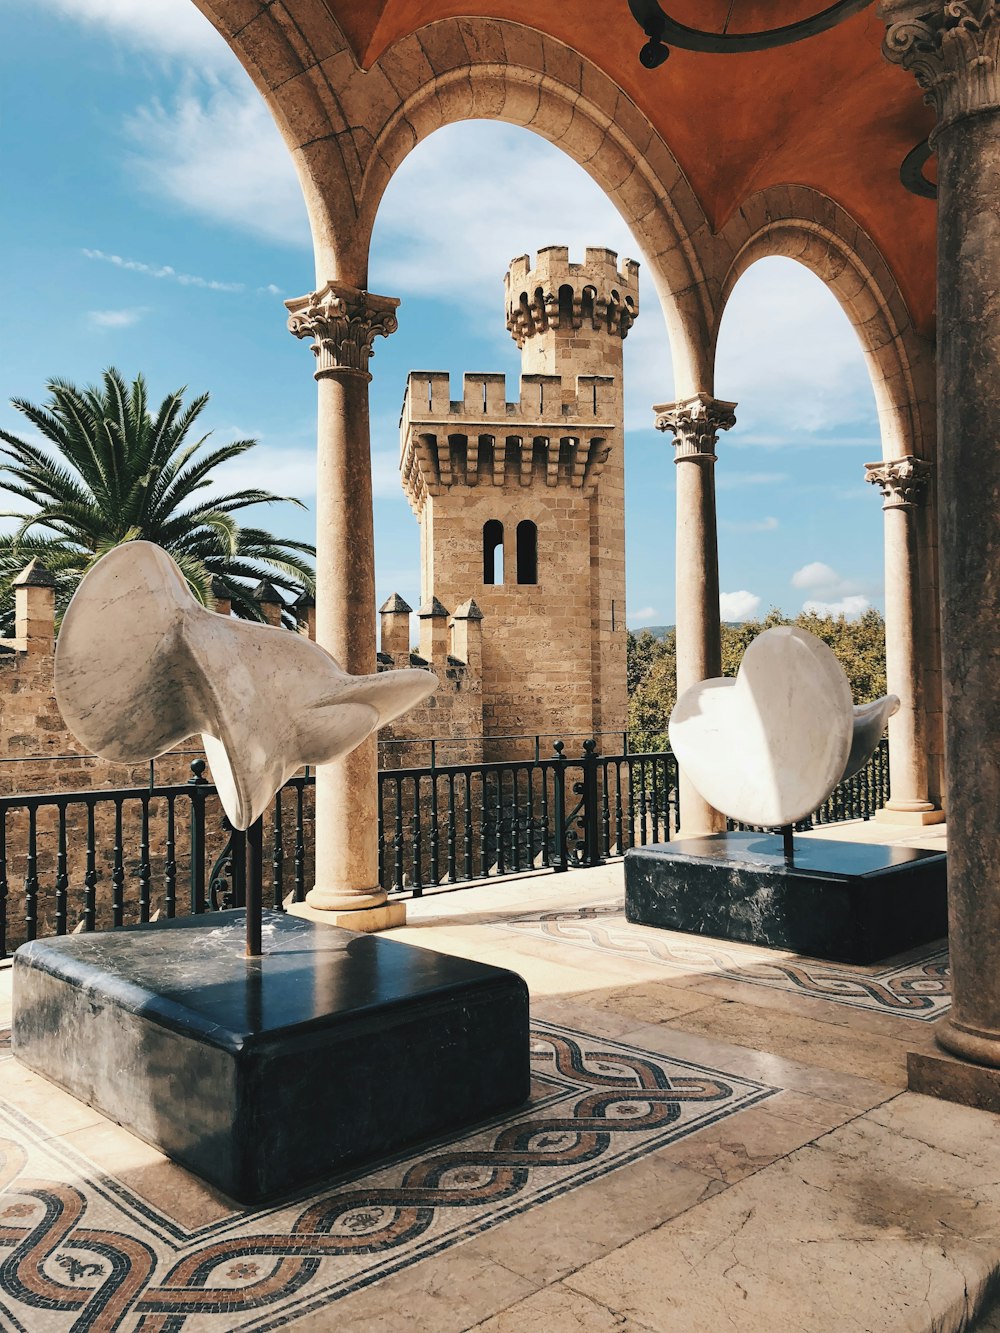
(521, 506)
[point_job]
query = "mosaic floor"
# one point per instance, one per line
(80, 1251)
(915, 985)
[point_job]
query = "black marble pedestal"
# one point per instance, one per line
(848, 901)
(268, 1074)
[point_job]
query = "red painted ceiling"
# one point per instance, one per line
(827, 112)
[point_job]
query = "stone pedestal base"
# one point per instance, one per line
(367, 920)
(266, 1075)
(850, 902)
(914, 818)
(938, 1074)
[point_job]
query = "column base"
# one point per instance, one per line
(973, 1044)
(366, 920)
(914, 818)
(339, 900)
(939, 1074)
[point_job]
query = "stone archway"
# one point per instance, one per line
(801, 224)
(348, 129)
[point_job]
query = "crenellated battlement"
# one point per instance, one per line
(483, 440)
(558, 296)
(541, 398)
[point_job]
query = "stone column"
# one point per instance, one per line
(342, 323)
(903, 483)
(953, 49)
(695, 424)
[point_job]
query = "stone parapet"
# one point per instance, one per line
(560, 296)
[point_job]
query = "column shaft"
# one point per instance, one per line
(969, 462)
(903, 482)
(347, 790)
(699, 630)
(695, 423)
(343, 322)
(907, 750)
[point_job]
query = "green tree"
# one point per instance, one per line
(110, 472)
(652, 665)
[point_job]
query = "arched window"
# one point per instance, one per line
(566, 306)
(527, 552)
(493, 551)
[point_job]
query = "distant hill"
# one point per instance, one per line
(661, 631)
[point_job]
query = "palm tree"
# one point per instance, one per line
(111, 472)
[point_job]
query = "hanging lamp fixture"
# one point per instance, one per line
(663, 31)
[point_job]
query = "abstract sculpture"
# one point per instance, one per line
(141, 665)
(768, 747)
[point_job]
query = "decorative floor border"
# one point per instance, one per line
(915, 985)
(80, 1251)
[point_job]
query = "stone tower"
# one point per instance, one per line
(522, 504)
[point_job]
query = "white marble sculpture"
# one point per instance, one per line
(768, 747)
(141, 665)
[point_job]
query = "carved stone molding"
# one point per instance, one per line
(343, 323)
(695, 423)
(902, 481)
(952, 48)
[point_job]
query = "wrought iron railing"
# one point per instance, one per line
(109, 857)
(86, 860)
(461, 822)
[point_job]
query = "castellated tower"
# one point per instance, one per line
(522, 504)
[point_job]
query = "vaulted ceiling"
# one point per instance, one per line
(828, 112)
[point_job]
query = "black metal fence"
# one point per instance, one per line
(86, 860)
(472, 821)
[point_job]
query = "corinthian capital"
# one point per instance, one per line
(902, 481)
(343, 323)
(695, 423)
(952, 47)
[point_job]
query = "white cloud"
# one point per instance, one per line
(165, 271)
(116, 319)
(286, 469)
(738, 605)
(645, 616)
(751, 525)
(163, 27)
(217, 154)
(851, 607)
(833, 594)
(447, 227)
(815, 575)
(790, 358)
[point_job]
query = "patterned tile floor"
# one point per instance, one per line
(915, 985)
(82, 1251)
(719, 1138)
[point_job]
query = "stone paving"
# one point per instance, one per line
(758, 1165)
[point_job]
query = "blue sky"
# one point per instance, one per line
(152, 221)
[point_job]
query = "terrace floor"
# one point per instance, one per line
(719, 1137)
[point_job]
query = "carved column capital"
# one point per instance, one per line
(343, 323)
(902, 481)
(952, 48)
(695, 424)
